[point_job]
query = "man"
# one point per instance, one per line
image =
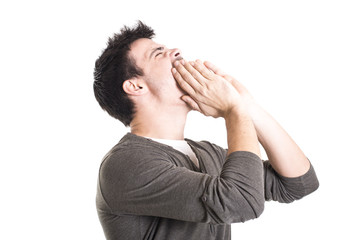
(154, 184)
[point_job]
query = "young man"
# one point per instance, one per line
(154, 184)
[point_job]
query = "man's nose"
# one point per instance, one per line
(175, 54)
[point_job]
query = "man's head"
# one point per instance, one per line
(133, 66)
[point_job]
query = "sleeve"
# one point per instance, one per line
(148, 184)
(280, 188)
(287, 190)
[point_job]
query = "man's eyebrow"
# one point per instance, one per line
(154, 50)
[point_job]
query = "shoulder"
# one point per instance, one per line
(133, 152)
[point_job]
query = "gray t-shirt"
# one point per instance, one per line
(149, 190)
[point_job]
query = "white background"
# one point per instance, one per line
(299, 59)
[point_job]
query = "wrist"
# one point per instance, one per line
(240, 110)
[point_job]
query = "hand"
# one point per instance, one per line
(208, 92)
(247, 98)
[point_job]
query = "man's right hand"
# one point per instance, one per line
(208, 93)
(214, 95)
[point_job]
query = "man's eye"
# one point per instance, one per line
(158, 54)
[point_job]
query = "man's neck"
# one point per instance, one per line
(160, 123)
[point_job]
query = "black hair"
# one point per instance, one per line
(113, 67)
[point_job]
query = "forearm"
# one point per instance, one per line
(241, 133)
(284, 154)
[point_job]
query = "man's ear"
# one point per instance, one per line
(134, 86)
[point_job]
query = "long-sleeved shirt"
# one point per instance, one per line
(149, 190)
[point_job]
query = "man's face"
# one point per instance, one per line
(156, 62)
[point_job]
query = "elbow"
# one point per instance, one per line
(251, 204)
(259, 209)
(311, 187)
(256, 207)
(307, 190)
(296, 188)
(240, 209)
(303, 191)
(252, 210)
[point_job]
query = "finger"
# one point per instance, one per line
(192, 104)
(214, 68)
(190, 67)
(203, 70)
(218, 71)
(182, 83)
(187, 76)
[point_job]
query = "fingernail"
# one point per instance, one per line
(173, 70)
(192, 63)
(182, 62)
(176, 63)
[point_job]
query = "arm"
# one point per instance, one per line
(288, 175)
(284, 154)
(166, 190)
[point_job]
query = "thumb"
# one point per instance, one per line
(190, 102)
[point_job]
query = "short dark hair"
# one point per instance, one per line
(113, 67)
